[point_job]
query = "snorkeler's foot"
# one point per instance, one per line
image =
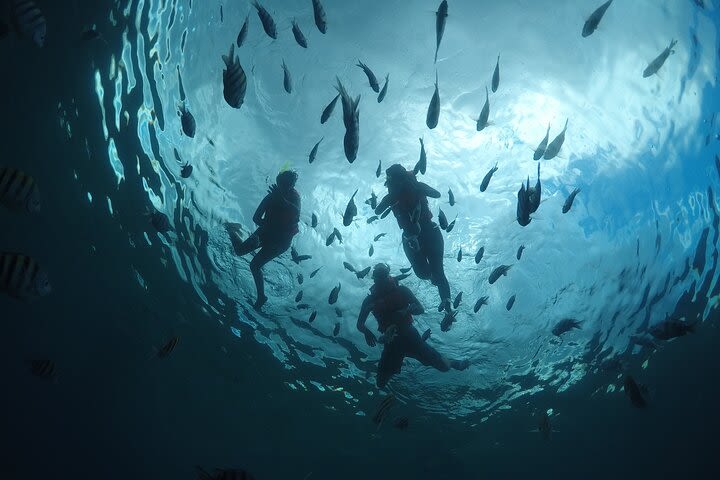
(260, 302)
(460, 364)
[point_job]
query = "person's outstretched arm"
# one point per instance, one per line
(428, 191)
(384, 204)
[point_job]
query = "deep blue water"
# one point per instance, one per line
(288, 400)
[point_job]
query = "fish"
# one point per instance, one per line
(299, 296)
(383, 91)
(266, 19)
(379, 236)
(440, 19)
(372, 219)
(161, 222)
(210, 141)
(523, 205)
(168, 348)
(313, 152)
(351, 118)
(333, 297)
(520, 251)
(19, 191)
(22, 277)
(371, 250)
(458, 299)
(287, 79)
(242, 36)
(338, 312)
(328, 110)
(564, 326)
(338, 235)
(498, 272)
(187, 120)
(450, 226)
(486, 179)
(383, 408)
(43, 368)
(442, 219)
(224, 474)
(362, 273)
(632, 390)
(594, 19)
(29, 21)
(234, 79)
(330, 239)
(336, 330)
(297, 33)
(88, 35)
(482, 120)
(402, 423)
(451, 197)
(370, 76)
(481, 301)
(350, 211)
(405, 270)
(372, 201)
(314, 272)
(534, 193)
(655, 65)
(348, 266)
(320, 18)
(313, 315)
(300, 278)
(540, 150)
(459, 255)
(313, 221)
(298, 258)
(554, 148)
(186, 170)
(479, 255)
(510, 303)
(421, 165)
(496, 76)
(433, 113)
(448, 320)
(569, 201)
(426, 335)
(671, 328)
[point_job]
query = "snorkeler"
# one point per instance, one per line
(277, 219)
(393, 307)
(422, 241)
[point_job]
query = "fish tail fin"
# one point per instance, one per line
(436, 52)
(229, 58)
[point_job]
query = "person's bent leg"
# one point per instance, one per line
(418, 262)
(390, 363)
(270, 250)
(430, 357)
(434, 246)
(244, 247)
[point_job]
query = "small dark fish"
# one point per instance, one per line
(440, 19)
(520, 251)
(313, 315)
(554, 148)
(402, 277)
(287, 79)
(655, 65)
(379, 236)
(540, 150)
(362, 273)
(330, 239)
(405, 270)
(451, 197)
(534, 193)
(161, 222)
(44, 369)
(564, 326)
(351, 119)
(457, 300)
(298, 258)
(338, 235)
(421, 164)
(314, 272)
(168, 347)
(313, 221)
(336, 330)
(426, 335)
(442, 219)
(448, 320)
(450, 226)
(510, 303)
(350, 211)
(496, 76)
(349, 267)
(671, 328)
(333, 297)
(383, 91)
(482, 120)
(479, 255)
(338, 312)
(313, 152)
(21, 276)
(187, 120)
(319, 13)
(186, 170)
(303, 306)
(569, 201)
(242, 36)
(210, 141)
(498, 272)
(383, 408)
(224, 474)
(402, 423)
(18, 191)
(372, 219)
(632, 390)
(234, 79)
(29, 21)
(371, 76)
(297, 33)
(486, 179)
(481, 301)
(371, 250)
(523, 205)
(300, 278)
(378, 171)
(299, 296)
(267, 21)
(433, 113)
(372, 201)
(327, 111)
(593, 20)
(459, 255)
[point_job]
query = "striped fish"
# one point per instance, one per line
(30, 21)
(18, 191)
(44, 369)
(234, 79)
(22, 277)
(385, 405)
(168, 347)
(266, 19)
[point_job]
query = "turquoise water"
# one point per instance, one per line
(270, 392)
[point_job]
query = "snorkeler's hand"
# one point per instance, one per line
(272, 189)
(370, 338)
(412, 243)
